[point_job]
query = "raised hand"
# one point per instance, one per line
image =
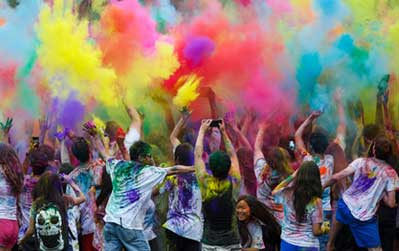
(44, 124)
(5, 127)
(90, 128)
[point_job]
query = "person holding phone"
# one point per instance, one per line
(219, 190)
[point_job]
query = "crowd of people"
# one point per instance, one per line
(232, 184)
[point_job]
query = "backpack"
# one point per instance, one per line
(49, 229)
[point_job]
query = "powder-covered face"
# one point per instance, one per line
(243, 211)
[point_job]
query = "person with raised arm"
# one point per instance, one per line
(219, 191)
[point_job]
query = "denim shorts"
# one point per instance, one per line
(116, 237)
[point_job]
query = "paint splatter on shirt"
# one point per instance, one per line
(267, 180)
(8, 202)
(326, 168)
(255, 230)
(25, 202)
(85, 176)
(184, 216)
(293, 232)
(132, 186)
(371, 180)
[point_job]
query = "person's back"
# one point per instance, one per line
(371, 179)
(132, 184)
(300, 233)
(218, 208)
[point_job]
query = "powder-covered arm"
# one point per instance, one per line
(235, 166)
(200, 170)
(175, 133)
(341, 129)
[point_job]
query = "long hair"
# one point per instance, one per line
(49, 190)
(12, 168)
(279, 160)
(307, 186)
(246, 160)
(271, 230)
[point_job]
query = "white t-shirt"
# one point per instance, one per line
(132, 186)
(149, 221)
(255, 230)
(300, 233)
(372, 178)
(184, 216)
(131, 137)
(326, 168)
(267, 183)
(8, 202)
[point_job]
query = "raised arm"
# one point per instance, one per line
(235, 166)
(242, 140)
(200, 170)
(258, 153)
(135, 117)
(5, 130)
(341, 129)
(300, 144)
(174, 140)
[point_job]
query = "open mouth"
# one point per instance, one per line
(50, 241)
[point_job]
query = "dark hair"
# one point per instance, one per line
(270, 228)
(246, 160)
(279, 160)
(219, 164)
(66, 168)
(105, 187)
(319, 142)
(48, 151)
(370, 131)
(81, 149)
(11, 167)
(49, 190)
(383, 148)
(38, 160)
(139, 149)
(184, 154)
(306, 187)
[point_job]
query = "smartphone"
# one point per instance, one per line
(216, 123)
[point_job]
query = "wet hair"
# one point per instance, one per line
(246, 160)
(81, 149)
(139, 149)
(383, 148)
(306, 187)
(271, 230)
(11, 167)
(279, 160)
(219, 164)
(371, 131)
(184, 154)
(319, 142)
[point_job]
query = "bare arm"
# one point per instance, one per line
(258, 153)
(389, 199)
(29, 232)
(200, 170)
(341, 129)
(235, 167)
(179, 169)
(299, 132)
(175, 133)
(338, 176)
(134, 116)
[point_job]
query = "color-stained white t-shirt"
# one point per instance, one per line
(372, 178)
(132, 186)
(326, 168)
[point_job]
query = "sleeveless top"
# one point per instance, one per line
(219, 220)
